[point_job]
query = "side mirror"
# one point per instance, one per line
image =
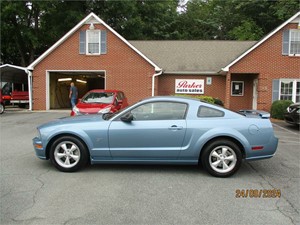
(127, 118)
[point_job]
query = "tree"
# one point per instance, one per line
(139, 20)
(234, 19)
(29, 28)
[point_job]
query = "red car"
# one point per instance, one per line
(100, 101)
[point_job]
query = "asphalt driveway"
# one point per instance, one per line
(32, 191)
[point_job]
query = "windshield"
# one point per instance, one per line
(98, 97)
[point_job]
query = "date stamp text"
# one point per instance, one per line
(257, 193)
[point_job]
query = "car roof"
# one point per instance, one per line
(185, 99)
(104, 90)
(172, 98)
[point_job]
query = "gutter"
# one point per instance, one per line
(29, 76)
(191, 72)
(157, 73)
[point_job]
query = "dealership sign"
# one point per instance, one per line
(188, 86)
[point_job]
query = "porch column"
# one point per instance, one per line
(29, 77)
(228, 90)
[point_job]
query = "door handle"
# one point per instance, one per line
(175, 127)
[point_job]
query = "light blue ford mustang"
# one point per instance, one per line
(158, 130)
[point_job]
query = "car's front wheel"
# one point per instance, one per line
(221, 158)
(68, 154)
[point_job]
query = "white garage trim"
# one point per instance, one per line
(48, 74)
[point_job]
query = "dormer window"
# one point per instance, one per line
(92, 42)
(291, 42)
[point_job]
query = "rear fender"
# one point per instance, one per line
(222, 132)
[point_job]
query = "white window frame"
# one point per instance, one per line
(241, 86)
(87, 42)
(297, 34)
(294, 88)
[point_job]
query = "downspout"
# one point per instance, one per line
(29, 73)
(153, 79)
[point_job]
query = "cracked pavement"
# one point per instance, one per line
(32, 191)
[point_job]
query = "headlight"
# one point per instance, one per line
(105, 110)
(75, 110)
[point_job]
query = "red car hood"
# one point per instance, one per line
(91, 108)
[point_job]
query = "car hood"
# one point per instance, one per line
(91, 107)
(73, 120)
(295, 105)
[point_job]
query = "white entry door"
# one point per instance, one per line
(255, 94)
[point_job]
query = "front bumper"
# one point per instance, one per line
(39, 148)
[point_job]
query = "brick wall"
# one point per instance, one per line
(267, 61)
(129, 72)
(125, 69)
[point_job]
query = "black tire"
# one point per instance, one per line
(68, 154)
(2, 108)
(221, 158)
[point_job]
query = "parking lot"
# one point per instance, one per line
(34, 192)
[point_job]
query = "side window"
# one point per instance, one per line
(204, 111)
(120, 96)
(160, 111)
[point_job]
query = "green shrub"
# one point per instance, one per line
(205, 98)
(218, 102)
(278, 108)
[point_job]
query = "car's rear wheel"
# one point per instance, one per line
(221, 158)
(68, 154)
(1, 108)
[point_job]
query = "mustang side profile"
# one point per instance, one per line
(158, 130)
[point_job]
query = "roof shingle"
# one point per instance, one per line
(192, 56)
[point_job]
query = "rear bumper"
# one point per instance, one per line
(268, 150)
(19, 101)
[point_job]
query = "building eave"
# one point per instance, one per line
(13, 66)
(226, 68)
(191, 73)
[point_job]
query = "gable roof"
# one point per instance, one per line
(94, 19)
(293, 18)
(192, 57)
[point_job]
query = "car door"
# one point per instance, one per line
(156, 132)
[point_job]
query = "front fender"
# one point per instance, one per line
(93, 139)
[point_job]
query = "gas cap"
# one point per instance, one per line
(253, 129)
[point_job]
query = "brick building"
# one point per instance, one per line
(243, 74)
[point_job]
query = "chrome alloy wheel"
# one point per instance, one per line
(222, 159)
(67, 154)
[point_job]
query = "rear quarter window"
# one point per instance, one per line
(205, 111)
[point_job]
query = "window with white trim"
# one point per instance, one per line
(93, 41)
(291, 42)
(286, 89)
